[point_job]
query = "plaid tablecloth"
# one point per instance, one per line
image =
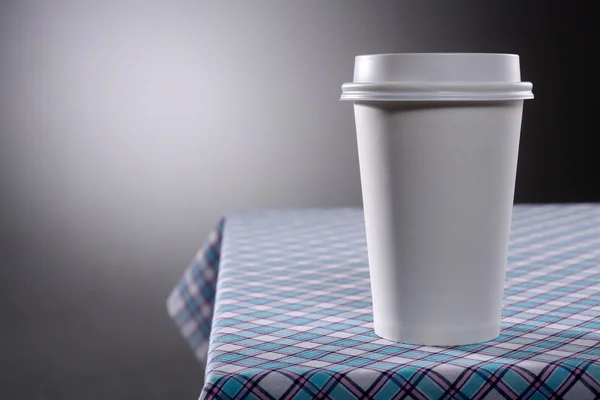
(292, 314)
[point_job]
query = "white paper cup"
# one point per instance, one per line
(438, 139)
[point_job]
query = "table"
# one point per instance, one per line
(292, 313)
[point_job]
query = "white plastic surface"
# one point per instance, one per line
(438, 183)
(437, 67)
(435, 77)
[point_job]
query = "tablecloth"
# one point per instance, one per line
(292, 313)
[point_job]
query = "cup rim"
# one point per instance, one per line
(436, 91)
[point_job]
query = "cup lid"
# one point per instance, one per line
(436, 76)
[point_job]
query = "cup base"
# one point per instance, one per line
(438, 336)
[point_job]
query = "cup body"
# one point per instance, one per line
(438, 182)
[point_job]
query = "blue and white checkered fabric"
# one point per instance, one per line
(293, 316)
(191, 303)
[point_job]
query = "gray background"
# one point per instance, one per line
(127, 128)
